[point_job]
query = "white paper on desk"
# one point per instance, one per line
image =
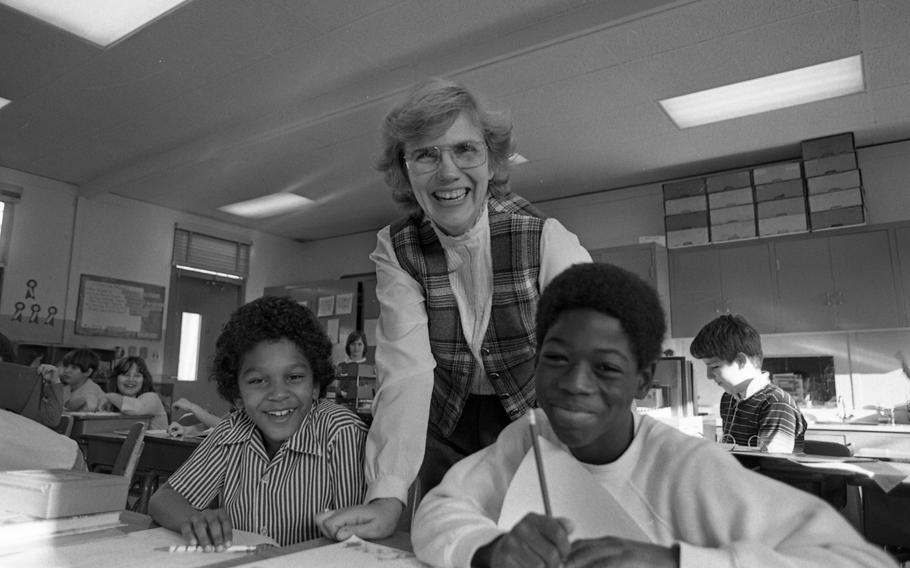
(351, 552)
(574, 494)
(132, 550)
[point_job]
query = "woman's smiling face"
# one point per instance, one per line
(276, 390)
(451, 196)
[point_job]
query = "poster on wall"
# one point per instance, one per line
(119, 308)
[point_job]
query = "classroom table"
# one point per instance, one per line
(135, 526)
(161, 456)
(93, 422)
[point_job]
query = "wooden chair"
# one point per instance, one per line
(832, 489)
(65, 426)
(824, 448)
(886, 521)
(128, 456)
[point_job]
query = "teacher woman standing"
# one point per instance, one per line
(458, 281)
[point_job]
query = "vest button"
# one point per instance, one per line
(494, 376)
(484, 351)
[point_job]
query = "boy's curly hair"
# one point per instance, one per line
(613, 291)
(270, 318)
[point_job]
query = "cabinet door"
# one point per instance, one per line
(805, 287)
(747, 282)
(695, 289)
(864, 291)
(637, 259)
(903, 252)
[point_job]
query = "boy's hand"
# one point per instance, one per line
(210, 529)
(620, 553)
(175, 429)
(49, 373)
(376, 519)
(536, 540)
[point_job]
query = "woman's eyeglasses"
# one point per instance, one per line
(468, 154)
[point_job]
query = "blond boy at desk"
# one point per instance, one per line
(754, 411)
(80, 393)
(599, 331)
(286, 454)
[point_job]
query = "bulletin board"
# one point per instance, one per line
(119, 308)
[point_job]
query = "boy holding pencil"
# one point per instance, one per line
(599, 331)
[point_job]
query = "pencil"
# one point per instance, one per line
(539, 459)
(194, 548)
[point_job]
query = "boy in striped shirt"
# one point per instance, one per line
(754, 411)
(285, 454)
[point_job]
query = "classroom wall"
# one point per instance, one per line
(58, 236)
(866, 369)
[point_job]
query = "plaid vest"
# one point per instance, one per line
(508, 346)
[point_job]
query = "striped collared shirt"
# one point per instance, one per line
(767, 418)
(320, 467)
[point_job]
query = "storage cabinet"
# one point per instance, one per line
(842, 282)
(902, 238)
(647, 260)
(848, 281)
(708, 282)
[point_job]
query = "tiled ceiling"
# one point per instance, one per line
(225, 100)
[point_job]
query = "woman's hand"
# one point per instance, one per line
(613, 552)
(377, 519)
(536, 541)
(210, 529)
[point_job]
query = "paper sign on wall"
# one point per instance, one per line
(326, 306)
(344, 304)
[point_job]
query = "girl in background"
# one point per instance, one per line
(133, 391)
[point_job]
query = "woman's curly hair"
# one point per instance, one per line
(270, 319)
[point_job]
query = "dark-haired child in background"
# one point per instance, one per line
(599, 331)
(285, 454)
(754, 411)
(80, 392)
(40, 400)
(131, 390)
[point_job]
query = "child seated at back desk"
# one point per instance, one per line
(80, 392)
(132, 392)
(286, 454)
(599, 331)
(754, 411)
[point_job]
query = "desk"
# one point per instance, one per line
(93, 422)
(134, 546)
(857, 471)
(161, 456)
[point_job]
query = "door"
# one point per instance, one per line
(747, 285)
(214, 300)
(696, 296)
(865, 295)
(804, 285)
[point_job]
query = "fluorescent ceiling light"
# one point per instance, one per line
(102, 22)
(4, 102)
(787, 89)
(517, 159)
(267, 205)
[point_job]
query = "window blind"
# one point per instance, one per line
(198, 250)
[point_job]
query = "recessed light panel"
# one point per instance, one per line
(782, 90)
(102, 22)
(267, 205)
